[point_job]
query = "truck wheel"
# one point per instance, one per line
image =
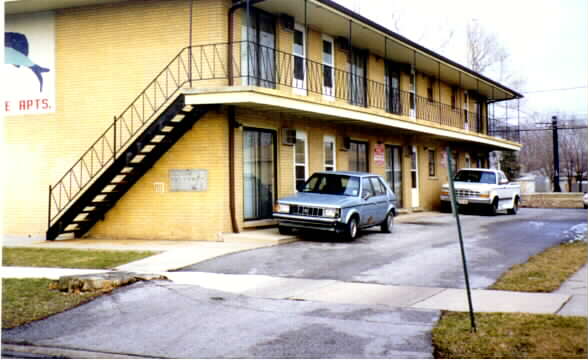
(493, 208)
(515, 207)
(351, 230)
(388, 223)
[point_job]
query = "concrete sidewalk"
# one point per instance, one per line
(332, 291)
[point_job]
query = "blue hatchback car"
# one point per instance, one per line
(342, 201)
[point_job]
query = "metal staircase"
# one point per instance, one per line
(156, 119)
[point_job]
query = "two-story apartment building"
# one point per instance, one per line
(186, 119)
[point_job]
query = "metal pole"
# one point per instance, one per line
(248, 10)
(190, 45)
(463, 256)
(556, 187)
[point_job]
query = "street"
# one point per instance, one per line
(179, 320)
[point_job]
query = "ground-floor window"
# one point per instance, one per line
(259, 173)
(330, 153)
(432, 163)
(393, 160)
(301, 160)
(358, 156)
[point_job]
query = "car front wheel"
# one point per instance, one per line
(388, 223)
(351, 230)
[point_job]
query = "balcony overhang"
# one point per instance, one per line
(334, 19)
(275, 101)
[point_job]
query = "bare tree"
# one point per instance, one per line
(483, 48)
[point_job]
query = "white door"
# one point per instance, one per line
(414, 177)
(299, 50)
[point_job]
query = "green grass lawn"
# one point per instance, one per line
(68, 258)
(25, 300)
(519, 335)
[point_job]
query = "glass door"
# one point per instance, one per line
(393, 159)
(258, 61)
(392, 85)
(357, 78)
(259, 173)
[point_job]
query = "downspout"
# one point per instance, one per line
(231, 114)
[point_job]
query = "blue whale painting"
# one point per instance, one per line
(16, 52)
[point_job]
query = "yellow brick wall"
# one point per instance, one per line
(105, 55)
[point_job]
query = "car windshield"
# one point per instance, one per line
(483, 177)
(332, 184)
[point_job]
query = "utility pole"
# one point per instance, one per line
(556, 187)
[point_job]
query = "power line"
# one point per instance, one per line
(546, 129)
(553, 90)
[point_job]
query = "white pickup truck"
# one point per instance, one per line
(486, 189)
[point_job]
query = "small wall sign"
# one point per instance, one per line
(379, 151)
(188, 180)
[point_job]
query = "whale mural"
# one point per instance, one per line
(16, 52)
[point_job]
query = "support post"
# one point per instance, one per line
(49, 212)
(114, 143)
(463, 255)
(190, 46)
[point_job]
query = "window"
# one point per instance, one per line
(330, 153)
(299, 81)
(468, 161)
(328, 68)
(377, 186)
(412, 92)
(454, 159)
(432, 164)
(366, 188)
(300, 160)
(358, 156)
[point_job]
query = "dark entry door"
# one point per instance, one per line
(259, 173)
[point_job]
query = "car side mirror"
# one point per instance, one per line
(503, 182)
(365, 196)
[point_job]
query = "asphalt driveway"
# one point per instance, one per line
(421, 252)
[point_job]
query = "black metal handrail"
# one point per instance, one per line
(257, 65)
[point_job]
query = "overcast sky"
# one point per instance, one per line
(546, 39)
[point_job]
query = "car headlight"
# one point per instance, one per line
(331, 212)
(282, 208)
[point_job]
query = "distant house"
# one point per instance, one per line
(152, 124)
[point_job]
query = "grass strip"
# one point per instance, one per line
(69, 258)
(25, 300)
(513, 336)
(546, 271)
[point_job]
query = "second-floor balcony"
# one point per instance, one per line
(249, 64)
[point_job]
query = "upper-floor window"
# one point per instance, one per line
(328, 68)
(299, 49)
